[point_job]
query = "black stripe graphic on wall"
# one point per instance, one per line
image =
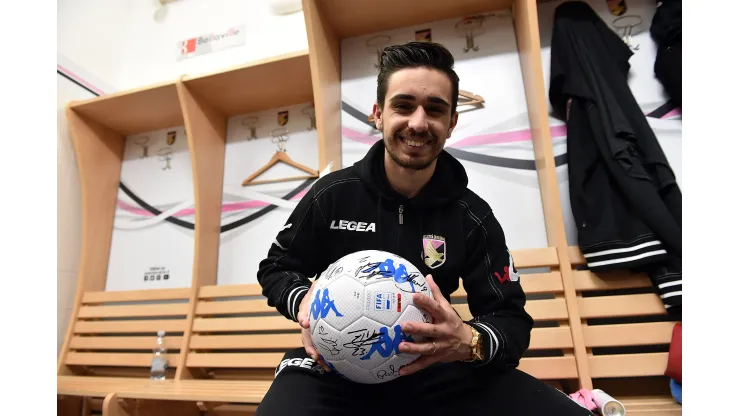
(662, 110)
(186, 224)
(74, 81)
(155, 211)
(226, 227)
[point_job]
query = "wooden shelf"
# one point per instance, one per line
(270, 83)
(350, 18)
(135, 111)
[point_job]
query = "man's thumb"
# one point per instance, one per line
(303, 320)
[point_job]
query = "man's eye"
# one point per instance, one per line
(403, 106)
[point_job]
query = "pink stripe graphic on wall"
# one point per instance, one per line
(79, 79)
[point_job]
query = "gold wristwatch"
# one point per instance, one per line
(476, 345)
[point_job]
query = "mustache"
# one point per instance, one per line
(410, 134)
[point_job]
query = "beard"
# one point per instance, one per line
(414, 160)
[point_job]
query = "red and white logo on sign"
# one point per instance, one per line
(188, 46)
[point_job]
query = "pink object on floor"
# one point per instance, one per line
(585, 399)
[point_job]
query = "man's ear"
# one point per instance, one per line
(377, 114)
(453, 123)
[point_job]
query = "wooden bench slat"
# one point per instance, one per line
(549, 367)
(236, 342)
(586, 281)
(136, 295)
(654, 333)
(133, 311)
(651, 406)
(97, 386)
(233, 307)
(115, 359)
(547, 309)
(535, 257)
(628, 365)
(230, 291)
(225, 391)
(141, 326)
(531, 283)
(550, 338)
(122, 343)
(263, 323)
(621, 306)
(234, 360)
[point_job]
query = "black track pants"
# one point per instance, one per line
(302, 389)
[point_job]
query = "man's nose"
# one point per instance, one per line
(419, 122)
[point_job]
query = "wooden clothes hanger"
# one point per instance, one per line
(463, 98)
(468, 98)
(281, 155)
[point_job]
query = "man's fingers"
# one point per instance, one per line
(304, 322)
(312, 351)
(436, 292)
(424, 348)
(308, 345)
(423, 329)
(419, 364)
(323, 365)
(430, 305)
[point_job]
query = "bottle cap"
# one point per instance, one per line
(160, 333)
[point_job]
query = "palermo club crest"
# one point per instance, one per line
(434, 250)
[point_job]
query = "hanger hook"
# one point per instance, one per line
(625, 25)
(280, 136)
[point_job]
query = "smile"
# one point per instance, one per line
(415, 142)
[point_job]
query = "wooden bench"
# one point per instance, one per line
(111, 337)
(626, 331)
(237, 341)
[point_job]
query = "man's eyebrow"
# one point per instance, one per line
(438, 100)
(433, 99)
(403, 97)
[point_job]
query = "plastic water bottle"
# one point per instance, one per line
(159, 360)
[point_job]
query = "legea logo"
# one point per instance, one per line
(352, 226)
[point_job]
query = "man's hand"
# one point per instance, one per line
(303, 311)
(448, 337)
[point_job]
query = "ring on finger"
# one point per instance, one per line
(435, 348)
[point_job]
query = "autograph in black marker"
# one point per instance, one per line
(383, 373)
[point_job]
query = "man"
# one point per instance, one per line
(410, 190)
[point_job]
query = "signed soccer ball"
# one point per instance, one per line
(358, 306)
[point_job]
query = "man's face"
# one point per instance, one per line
(416, 119)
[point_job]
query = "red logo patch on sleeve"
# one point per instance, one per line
(510, 273)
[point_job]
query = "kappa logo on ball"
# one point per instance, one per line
(322, 305)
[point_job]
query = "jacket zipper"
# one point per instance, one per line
(400, 229)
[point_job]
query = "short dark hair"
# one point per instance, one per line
(415, 55)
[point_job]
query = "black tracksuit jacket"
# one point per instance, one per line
(355, 209)
(624, 195)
